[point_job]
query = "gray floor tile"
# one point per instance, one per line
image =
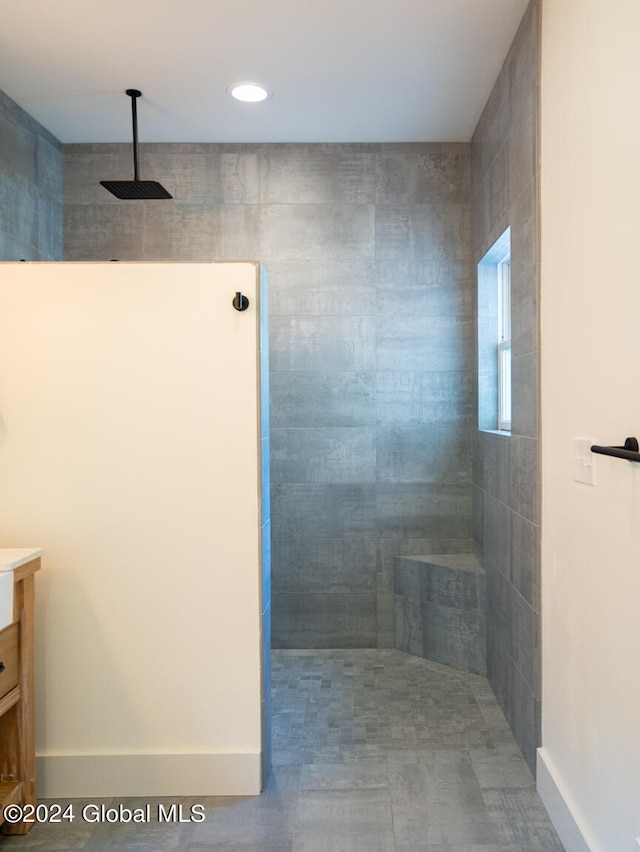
(344, 821)
(261, 821)
(436, 797)
(225, 846)
(522, 820)
(466, 848)
(373, 751)
(343, 776)
(500, 768)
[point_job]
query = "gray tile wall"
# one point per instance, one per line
(30, 187)
(506, 501)
(440, 609)
(368, 249)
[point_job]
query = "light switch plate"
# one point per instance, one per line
(584, 466)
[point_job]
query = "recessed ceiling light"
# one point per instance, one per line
(251, 93)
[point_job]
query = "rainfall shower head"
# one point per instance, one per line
(136, 188)
(130, 189)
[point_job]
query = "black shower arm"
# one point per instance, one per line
(134, 94)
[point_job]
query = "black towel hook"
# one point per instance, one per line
(240, 302)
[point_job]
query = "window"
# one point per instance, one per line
(494, 336)
(504, 344)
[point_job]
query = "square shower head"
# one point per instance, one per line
(136, 189)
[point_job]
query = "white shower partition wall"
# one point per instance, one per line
(132, 449)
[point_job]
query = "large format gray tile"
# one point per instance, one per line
(201, 232)
(524, 716)
(423, 510)
(50, 228)
(525, 641)
(309, 231)
(324, 620)
(522, 144)
(337, 565)
(435, 398)
(344, 821)
(14, 248)
(524, 478)
(494, 208)
(500, 768)
(424, 343)
(151, 837)
(323, 510)
(419, 174)
(319, 399)
(83, 170)
(525, 559)
(252, 823)
(419, 231)
(525, 275)
(478, 517)
(19, 146)
(425, 286)
(327, 454)
(49, 168)
(437, 454)
(497, 535)
(521, 819)
(490, 133)
(493, 456)
(103, 231)
(19, 207)
(208, 175)
(317, 174)
(437, 800)
(251, 845)
(522, 64)
(385, 620)
(327, 287)
(342, 777)
(334, 343)
(525, 395)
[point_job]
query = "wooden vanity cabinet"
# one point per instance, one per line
(17, 730)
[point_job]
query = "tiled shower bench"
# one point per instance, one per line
(440, 609)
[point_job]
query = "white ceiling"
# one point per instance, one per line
(340, 70)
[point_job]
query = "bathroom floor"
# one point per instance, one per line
(373, 751)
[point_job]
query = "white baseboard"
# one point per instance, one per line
(557, 803)
(145, 775)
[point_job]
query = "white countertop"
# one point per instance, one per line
(13, 557)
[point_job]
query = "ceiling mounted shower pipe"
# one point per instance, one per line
(128, 190)
(134, 94)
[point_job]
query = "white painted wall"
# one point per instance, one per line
(130, 451)
(590, 142)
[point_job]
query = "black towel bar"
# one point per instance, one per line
(629, 451)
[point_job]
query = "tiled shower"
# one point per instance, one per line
(371, 250)
(506, 489)
(368, 249)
